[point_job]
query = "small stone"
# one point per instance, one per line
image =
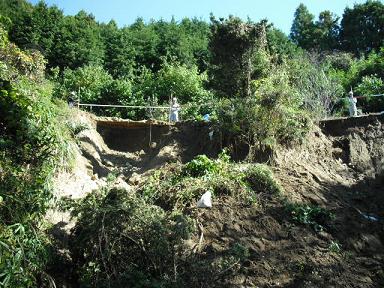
(135, 179)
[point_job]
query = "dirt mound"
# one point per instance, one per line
(342, 172)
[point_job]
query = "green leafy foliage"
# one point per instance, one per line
(178, 188)
(233, 44)
(308, 34)
(314, 216)
(261, 179)
(182, 82)
(200, 166)
(94, 85)
(119, 51)
(137, 242)
(33, 145)
(273, 115)
(335, 247)
(302, 31)
(137, 239)
(371, 85)
(318, 89)
(358, 34)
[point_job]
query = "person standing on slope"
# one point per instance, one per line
(352, 105)
(174, 111)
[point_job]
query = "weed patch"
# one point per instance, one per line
(260, 178)
(314, 216)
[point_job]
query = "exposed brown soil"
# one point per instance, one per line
(339, 167)
(345, 178)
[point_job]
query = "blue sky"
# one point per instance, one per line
(124, 12)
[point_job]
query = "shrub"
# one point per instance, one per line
(200, 166)
(314, 216)
(261, 179)
(180, 81)
(176, 189)
(371, 85)
(316, 88)
(87, 82)
(33, 145)
(273, 115)
(334, 247)
(93, 85)
(137, 243)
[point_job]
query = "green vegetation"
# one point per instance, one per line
(199, 62)
(33, 145)
(335, 247)
(260, 87)
(177, 188)
(314, 216)
(140, 235)
(261, 179)
(137, 243)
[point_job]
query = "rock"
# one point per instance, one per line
(324, 235)
(121, 184)
(258, 243)
(135, 179)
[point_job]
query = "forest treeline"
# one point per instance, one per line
(148, 61)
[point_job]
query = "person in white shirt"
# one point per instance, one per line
(352, 105)
(174, 111)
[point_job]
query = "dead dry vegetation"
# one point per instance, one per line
(310, 217)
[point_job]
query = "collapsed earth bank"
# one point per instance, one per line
(338, 168)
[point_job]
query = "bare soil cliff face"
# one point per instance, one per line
(340, 167)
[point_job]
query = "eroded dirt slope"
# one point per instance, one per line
(339, 167)
(340, 170)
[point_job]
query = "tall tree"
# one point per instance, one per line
(326, 31)
(303, 28)
(37, 29)
(195, 42)
(279, 45)
(78, 42)
(232, 45)
(362, 27)
(145, 40)
(119, 51)
(14, 9)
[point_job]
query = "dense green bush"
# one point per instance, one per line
(371, 85)
(318, 89)
(183, 82)
(261, 179)
(274, 114)
(94, 85)
(137, 243)
(200, 166)
(33, 145)
(179, 188)
(87, 82)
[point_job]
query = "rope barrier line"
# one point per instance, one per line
(376, 95)
(185, 105)
(124, 106)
